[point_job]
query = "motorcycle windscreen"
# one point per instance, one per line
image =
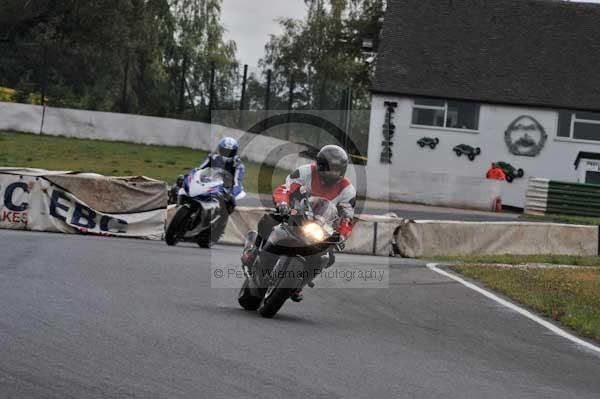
(324, 210)
(218, 174)
(206, 182)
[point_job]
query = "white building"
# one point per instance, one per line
(513, 81)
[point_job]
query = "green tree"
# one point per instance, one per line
(321, 54)
(318, 58)
(116, 55)
(200, 43)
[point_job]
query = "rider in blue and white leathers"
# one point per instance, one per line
(226, 158)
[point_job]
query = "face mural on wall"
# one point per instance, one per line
(525, 136)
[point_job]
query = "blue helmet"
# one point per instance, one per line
(228, 147)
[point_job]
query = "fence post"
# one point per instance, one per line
(182, 85)
(243, 98)
(124, 100)
(375, 238)
(267, 100)
(211, 91)
(44, 79)
(342, 108)
(348, 121)
(268, 93)
(290, 105)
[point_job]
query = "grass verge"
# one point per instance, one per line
(522, 259)
(569, 296)
(565, 219)
(115, 158)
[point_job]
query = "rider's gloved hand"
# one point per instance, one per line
(283, 209)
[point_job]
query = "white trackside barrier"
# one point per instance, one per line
(241, 221)
(445, 238)
(39, 200)
(373, 235)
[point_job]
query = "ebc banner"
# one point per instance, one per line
(34, 203)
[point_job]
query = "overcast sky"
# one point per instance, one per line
(250, 22)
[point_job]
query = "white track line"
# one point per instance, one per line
(526, 313)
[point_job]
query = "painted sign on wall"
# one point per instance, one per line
(525, 136)
(388, 132)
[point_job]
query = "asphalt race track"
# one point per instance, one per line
(89, 317)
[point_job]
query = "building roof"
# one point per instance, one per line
(525, 52)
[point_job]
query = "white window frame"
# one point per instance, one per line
(572, 130)
(575, 120)
(445, 108)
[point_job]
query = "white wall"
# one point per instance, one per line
(20, 117)
(554, 162)
(146, 130)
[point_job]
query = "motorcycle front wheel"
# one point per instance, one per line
(176, 228)
(246, 300)
(213, 234)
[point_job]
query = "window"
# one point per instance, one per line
(445, 114)
(592, 177)
(579, 125)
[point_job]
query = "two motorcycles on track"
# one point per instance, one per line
(306, 239)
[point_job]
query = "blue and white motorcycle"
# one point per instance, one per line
(202, 214)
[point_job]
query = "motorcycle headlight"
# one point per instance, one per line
(314, 231)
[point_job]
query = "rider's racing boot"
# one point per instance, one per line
(297, 295)
(250, 250)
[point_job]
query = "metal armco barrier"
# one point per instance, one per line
(554, 197)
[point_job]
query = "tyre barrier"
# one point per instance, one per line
(424, 238)
(68, 202)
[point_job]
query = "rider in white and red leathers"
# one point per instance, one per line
(341, 193)
(325, 179)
